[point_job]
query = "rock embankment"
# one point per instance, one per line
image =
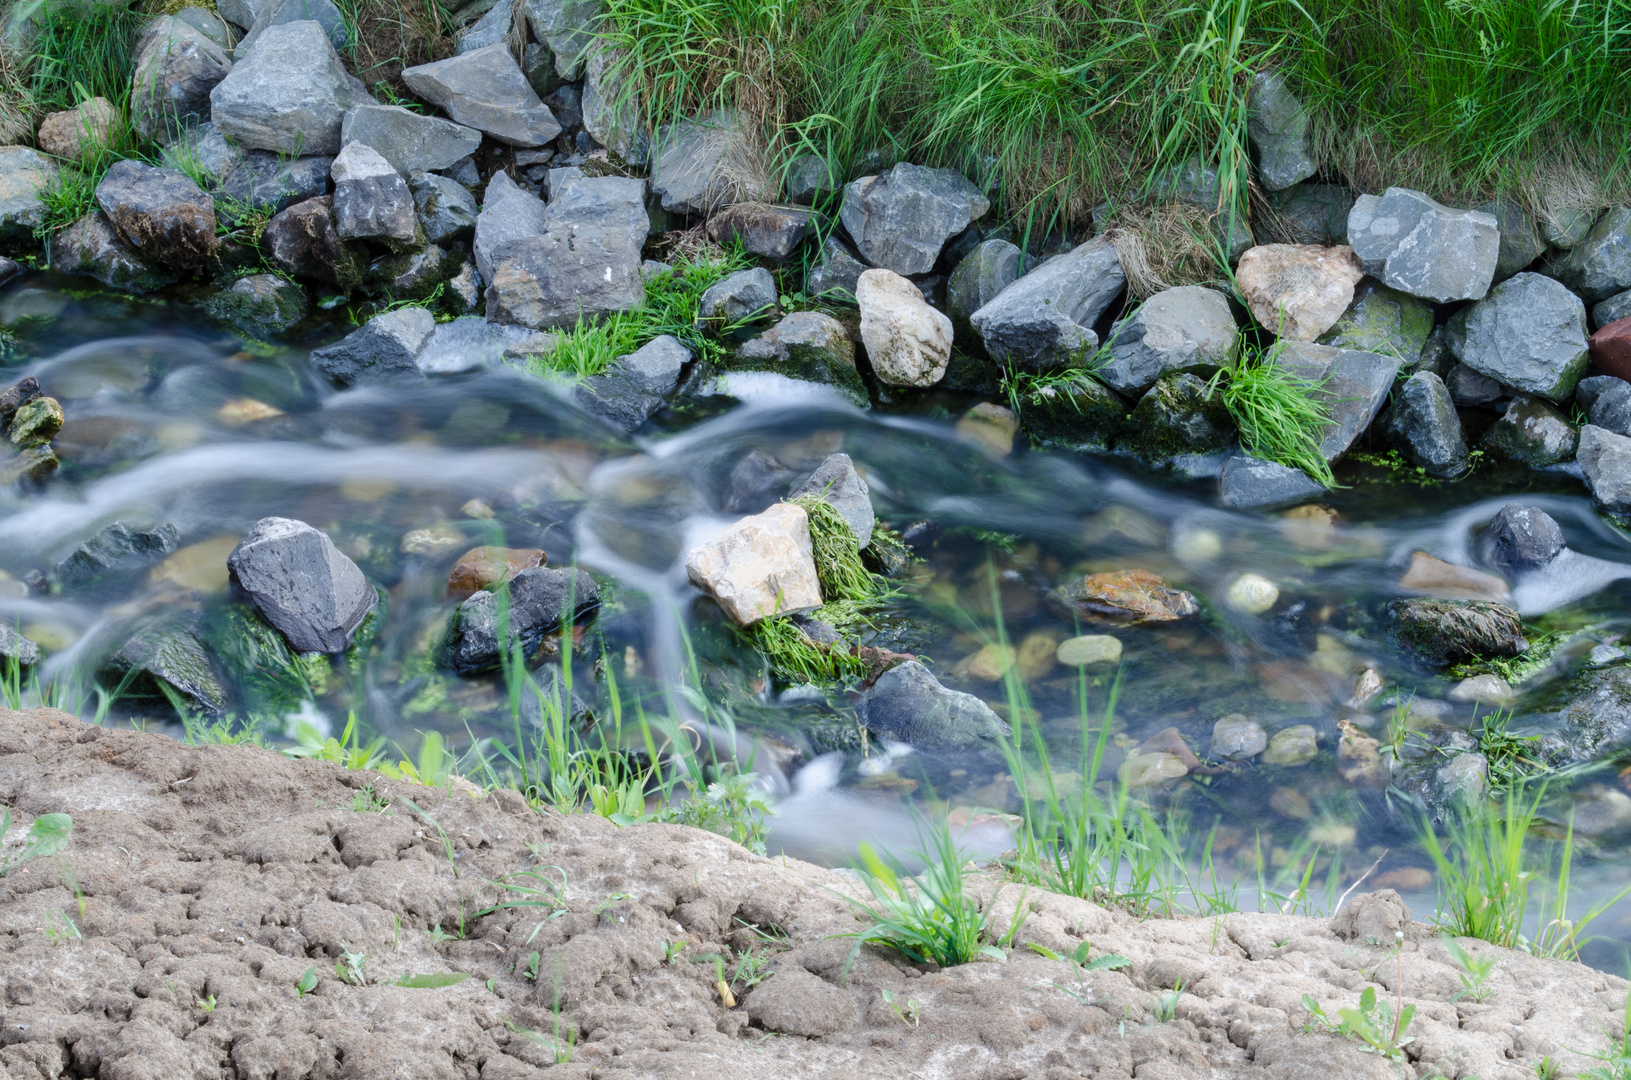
(200, 921)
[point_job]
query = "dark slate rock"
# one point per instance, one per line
(983, 273)
(1435, 357)
(755, 481)
(1248, 483)
(1607, 402)
(301, 584)
(1613, 309)
(1309, 214)
(566, 102)
(1468, 387)
(1176, 421)
(282, 12)
(410, 141)
(14, 646)
(371, 200)
(161, 213)
(176, 68)
(612, 114)
(1521, 538)
(538, 65)
(1045, 319)
(1189, 328)
(447, 210)
(1082, 415)
(634, 387)
(1520, 238)
(1443, 632)
(1422, 422)
(692, 163)
(809, 179)
(261, 305)
(900, 220)
(117, 549)
(770, 232)
(1593, 721)
(1277, 126)
(415, 274)
(836, 481)
(1420, 247)
(507, 213)
(168, 653)
(92, 248)
(1529, 333)
(1355, 385)
(386, 345)
(304, 243)
(485, 89)
(539, 601)
(467, 343)
(15, 396)
(289, 96)
(909, 705)
(1600, 265)
(567, 29)
(493, 28)
(744, 294)
(838, 271)
(1532, 432)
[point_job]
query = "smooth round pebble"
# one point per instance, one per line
(1235, 738)
(1251, 594)
(1089, 649)
(1197, 545)
(1292, 746)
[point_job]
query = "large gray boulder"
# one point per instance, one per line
(1277, 126)
(115, 549)
(901, 219)
(1422, 422)
(1248, 483)
(1046, 318)
(386, 345)
(541, 600)
(160, 212)
(1599, 266)
(634, 387)
(447, 211)
(411, 142)
(1520, 237)
(1529, 333)
(486, 90)
(289, 96)
(467, 343)
(909, 705)
(283, 12)
(1605, 459)
(91, 247)
(611, 107)
(836, 482)
(1417, 246)
(23, 173)
(1521, 538)
(706, 163)
(985, 271)
(1189, 328)
(1532, 432)
(567, 29)
(493, 28)
(371, 200)
(304, 243)
(176, 68)
(744, 294)
(302, 584)
(507, 213)
(1354, 387)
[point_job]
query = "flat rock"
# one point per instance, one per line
(284, 12)
(745, 294)
(1045, 319)
(485, 89)
(410, 141)
(1422, 422)
(1427, 576)
(770, 232)
(1235, 738)
(1532, 432)
(1599, 266)
(1132, 596)
(176, 68)
(71, 133)
(303, 242)
(1417, 246)
(371, 200)
(567, 29)
(1248, 483)
(1355, 386)
(301, 584)
(835, 481)
(1442, 632)
(1382, 320)
(542, 600)
(1520, 237)
(900, 220)
(1187, 329)
(705, 163)
(984, 272)
(907, 341)
(760, 566)
(1610, 348)
(1605, 459)
(1277, 125)
(261, 305)
(1529, 333)
(116, 549)
(91, 247)
(1298, 291)
(909, 705)
(446, 209)
(1522, 538)
(160, 212)
(23, 172)
(386, 345)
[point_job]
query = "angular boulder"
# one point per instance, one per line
(507, 213)
(611, 108)
(907, 341)
(634, 387)
(410, 141)
(1179, 423)
(1298, 292)
(23, 173)
(1605, 459)
(1532, 432)
(261, 305)
(447, 211)
(835, 481)
(706, 163)
(1417, 246)
(1081, 415)
(1248, 483)
(1520, 238)
(115, 549)
(1309, 214)
(1422, 422)
(386, 345)
(304, 242)
(91, 247)
(167, 652)
(1468, 387)
(838, 271)
(567, 29)
(176, 68)
(760, 566)
(908, 704)
(770, 232)
(808, 179)
(301, 584)
(1354, 386)
(1612, 310)
(1607, 401)
(1521, 538)
(36, 423)
(984, 272)
(1277, 126)
(284, 12)
(493, 28)
(1045, 319)
(1443, 632)
(486, 90)
(1529, 333)
(1599, 266)
(85, 128)
(807, 345)
(541, 601)
(1610, 348)
(743, 295)
(290, 95)
(1382, 320)
(1189, 328)
(900, 220)
(371, 200)
(161, 213)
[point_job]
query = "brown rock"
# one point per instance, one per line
(86, 127)
(1428, 576)
(1610, 348)
(484, 567)
(1170, 741)
(1298, 291)
(991, 425)
(304, 243)
(771, 232)
(1359, 757)
(1130, 596)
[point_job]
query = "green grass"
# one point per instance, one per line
(1281, 416)
(79, 51)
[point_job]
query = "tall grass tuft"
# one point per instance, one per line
(1281, 416)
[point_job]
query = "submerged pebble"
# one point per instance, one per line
(1292, 746)
(1089, 649)
(1252, 594)
(1235, 738)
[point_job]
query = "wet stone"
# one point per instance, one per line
(807, 345)
(36, 423)
(91, 247)
(835, 481)
(1088, 649)
(1235, 738)
(1080, 415)
(908, 704)
(542, 600)
(1605, 459)
(1532, 432)
(989, 425)
(1178, 421)
(1422, 422)
(1248, 483)
(168, 652)
(1427, 576)
(1522, 538)
(1292, 746)
(116, 549)
(1132, 596)
(261, 305)
(1442, 632)
(634, 387)
(386, 345)
(14, 646)
(301, 584)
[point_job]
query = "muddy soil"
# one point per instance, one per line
(202, 885)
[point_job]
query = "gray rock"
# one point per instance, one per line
(809, 179)
(1468, 387)
(507, 213)
(22, 174)
(1235, 738)
(555, 180)
(900, 220)
(1248, 483)
(243, 181)
(538, 65)
(447, 210)
(1080, 416)
(14, 646)
(241, 13)
(416, 273)
(633, 387)
(1189, 328)
(1520, 238)
(1567, 227)
(302, 241)
(289, 96)
(1613, 309)
(301, 584)
(1045, 319)
(388, 344)
(984, 272)
(1178, 420)
(160, 212)
(1600, 265)
(261, 305)
(1442, 632)
(612, 112)
(1419, 247)
(806, 345)
(1605, 459)
(1355, 386)
(542, 600)
(1607, 402)
(614, 204)
(467, 343)
(411, 142)
(493, 28)
(168, 652)
(464, 171)
(1191, 181)
(909, 705)
(1521, 538)
(1529, 333)
(284, 12)
(1309, 214)
(1434, 357)
(770, 232)
(838, 272)
(1382, 320)
(1422, 422)
(176, 68)
(371, 200)
(746, 294)
(703, 164)
(837, 482)
(91, 248)
(650, 268)
(1277, 126)
(1532, 432)
(566, 102)
(486, 90)
(567, 27)
(116, 549)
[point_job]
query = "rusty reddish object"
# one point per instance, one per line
(1610, 348)
(484, 567)
(1129, 596)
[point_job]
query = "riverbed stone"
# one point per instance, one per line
(303, 241)
(1298, 291)
(1132, 596)
(168, 652)
(91, 247)
(487, 567)
(1383, 320)
(1045, 318)
(1236, 738)
(23, 172)
(161, 213)
(901, 219)
(838, 271)
(1599, 266)
(1085, 650)
(1427, 576)
(1187, 329)
(261, 180)
(1277, 125)
(486, 90)
(1354, 386)
(1613, 309)
(909, 705)
(15, 396)
(71, 133)
(807, 345)
(634, 387)
(567, 27)
(760, 566)
(1605, 459)
(770, 232)
(446, 210)
(1522, 538)
(289, 96)
(984, 272)
(176, 68)
(1422, 422)
(742, 295)
(836, 481)
(1610, 348)
(907, 341)
(410, 141)
(283, 12)
(1532, 432)
(1252, 594)
(1520, 237)
(14, 646)
(542, 600)
(301, 584)
(384, 346)
(1607, 401)
(1420, 247)
(1468, 387)
(507, 213)
(35, 423)
(115, 549)
(371, 200)
(705, 163)
(1443, 632)
(261, 305)
(1292, 746)
(1529, 333)
(1248, 483)
(1178, 418)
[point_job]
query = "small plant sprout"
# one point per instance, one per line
(531, 970)
(672, 950)
(308, 982)
(724, 987)
(1166, 1007)
(349, 969)
(1475, 970)
(207, 1004)
(1547, 1069)
(60, 928)
(1614, 1060)
(48, 835)
(437, 935)
(908, 1014)
(1378, 1026)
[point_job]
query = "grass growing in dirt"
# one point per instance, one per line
(1281, 416)
(77, 51)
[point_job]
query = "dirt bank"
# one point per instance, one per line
(211, 880)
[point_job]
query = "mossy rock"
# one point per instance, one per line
(36, 423)
(165, 657)
(1443, 632)
(1082, 415)
(1177, 418)
(808, 346)
(973, 374)
(261, 305)
(1382, 320)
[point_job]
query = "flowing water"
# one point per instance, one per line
(171, 420)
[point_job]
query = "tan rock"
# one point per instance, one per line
(908, 342)
(241, 411)
(1151, 770)
(1089, 649)
(760, 566)
(1170, 740)
(86, 127)
(200, 567)
(484, 567)
(433, 540)
(1427, 576)
(990, 663)
(990, 425)
(1366, 687)
(1292, 803)
(1036, 655)
(1292, 746)
(1359, 757)
(1298, 291)
(1130, 595)
(1483, 689)
(1251, 594)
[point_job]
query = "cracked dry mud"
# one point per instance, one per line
(225, 873)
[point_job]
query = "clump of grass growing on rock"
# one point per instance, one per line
(1281, 416)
